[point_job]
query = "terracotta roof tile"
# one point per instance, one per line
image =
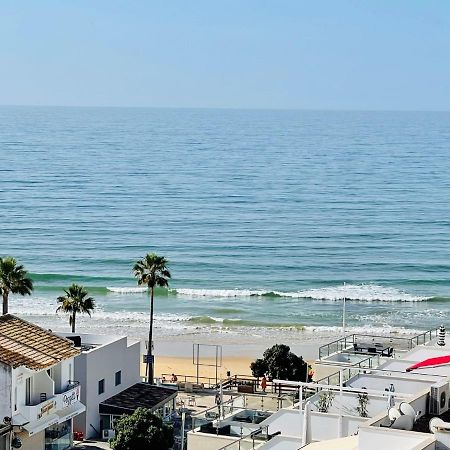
(25, 344)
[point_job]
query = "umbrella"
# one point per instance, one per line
(430, 362)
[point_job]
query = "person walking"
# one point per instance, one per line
(264, 383)
(310, 373)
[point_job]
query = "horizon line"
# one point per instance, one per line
(229, 108)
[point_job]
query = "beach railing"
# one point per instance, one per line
(203, 382)
(348, 342)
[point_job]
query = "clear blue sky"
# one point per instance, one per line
(337, 54)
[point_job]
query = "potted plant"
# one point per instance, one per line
(325, 401)
(363, 401)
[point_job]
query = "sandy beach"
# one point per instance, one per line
(176, 356)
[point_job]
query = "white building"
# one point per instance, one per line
(397, 399)
(106, 366)
(38, 397)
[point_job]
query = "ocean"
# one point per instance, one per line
(263, 215)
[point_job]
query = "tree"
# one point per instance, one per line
(75, 301)
(279, 362)
(141, 430)
(151, 271)
(259, 368)
(13, 280)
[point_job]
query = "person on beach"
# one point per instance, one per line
(310, 373)
(174, 378)
(264, 383)
(217, 399)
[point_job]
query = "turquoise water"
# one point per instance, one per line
(262, 214)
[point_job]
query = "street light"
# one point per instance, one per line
(343, 312)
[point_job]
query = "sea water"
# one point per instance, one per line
(263, 216)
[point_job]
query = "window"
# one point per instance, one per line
(118, 378)
(101, 386)
(28, 391)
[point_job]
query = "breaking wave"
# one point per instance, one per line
(352, 292)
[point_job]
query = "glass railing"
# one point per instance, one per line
(396, 342)
(250, 441)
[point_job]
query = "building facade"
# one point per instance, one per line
(39, 396)
(106, 366)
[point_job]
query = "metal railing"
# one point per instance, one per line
(197, 382)
(402, 343)
(251, 441)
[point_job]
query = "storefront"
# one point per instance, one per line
(5, 431)
(58, 437)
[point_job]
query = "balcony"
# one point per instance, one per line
(53, 404)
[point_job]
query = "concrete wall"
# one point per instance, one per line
(5, 391)
(103, 362)
(382, 438)
(350, 402)
(320, 427)
(288, 421)
(35, 442)
(204, 441)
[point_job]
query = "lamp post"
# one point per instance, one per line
(343, 312)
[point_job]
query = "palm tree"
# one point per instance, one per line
(13, 280)
(75, 301)
(151, 271)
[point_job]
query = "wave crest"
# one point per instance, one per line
(353, 292)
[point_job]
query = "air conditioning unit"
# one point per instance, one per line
(439, 398)
(108, 434)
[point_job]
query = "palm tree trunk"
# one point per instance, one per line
(5, 302)
(73, 322)
(150, 340)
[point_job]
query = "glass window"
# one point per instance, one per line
(101, 386)
(57, 437)
(118, 377)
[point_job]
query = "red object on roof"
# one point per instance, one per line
(430, 362)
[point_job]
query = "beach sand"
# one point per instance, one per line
(177, 356)
(239, 365)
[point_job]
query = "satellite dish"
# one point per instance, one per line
(394, 413)
(437, 424)
(403, 423)
(407, 410)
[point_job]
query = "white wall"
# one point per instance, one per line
(321, 426)
(288, 421)
(205, 441)
(350, 402)
(35, 442)
(402, 385)
(383, 438)
(5, 391)
(103, 362)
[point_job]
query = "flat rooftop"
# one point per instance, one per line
(140, 395)
(382, 382)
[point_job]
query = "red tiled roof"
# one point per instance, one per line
(25, 344)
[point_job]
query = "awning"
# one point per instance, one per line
(140, 395)
(42, 424)
(430, 362)
(70, 412)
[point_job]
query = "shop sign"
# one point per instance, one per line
(71, 397)
(46, 409)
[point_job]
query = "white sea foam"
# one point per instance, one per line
(354, 292)
(127, 290)
(219, 292)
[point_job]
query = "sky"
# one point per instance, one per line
(287, 54)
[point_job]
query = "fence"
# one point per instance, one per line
(402, 343)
